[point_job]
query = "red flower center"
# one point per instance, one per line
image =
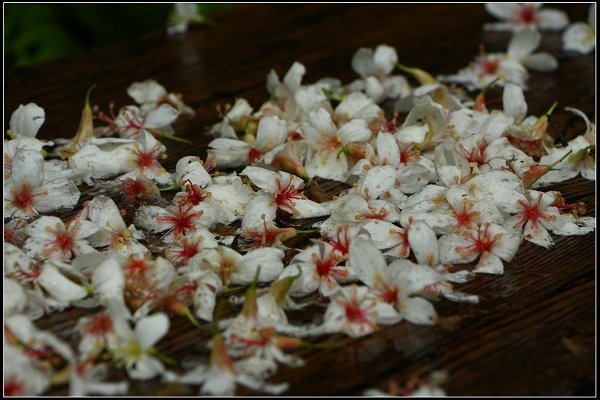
(285, 194)
(12, 387)
(253, 155)
(490, 67)
(99, 325)
(182, 221)
(354, 313)
(23, 198)
(527, 15)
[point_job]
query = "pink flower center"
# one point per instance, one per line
(187, 251)
(253, 155)
(483, 243)
(355, 314)
(531, 212)
(475, 155)
(12, 387)
(295, 136)
(147, 159)
(324, 266)
(99, 325)
(23, 198)
(463, 217)
(286, 193)
(527, 15)
(63, 241)
(136, 268)
(183, 220)
(390, 294)
(490, 67)
(342, 242)
(133, 188)
(193, 195)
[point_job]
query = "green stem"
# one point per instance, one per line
(188, 314)
(323, 346)
(552, 108)
(174, 138)
(550, 166)
(153, 351)
(308, 231)
(174, 186)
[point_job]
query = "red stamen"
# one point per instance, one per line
(100, 325)
(253, 155)
(354, 313)
(527, 15)
(286, 193)
(183, 220)
(12, 387)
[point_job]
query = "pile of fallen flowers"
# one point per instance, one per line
(447, 192)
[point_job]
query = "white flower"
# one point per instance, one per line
(131, 120)
(517, 17)
(490, 242)
(119, 238)
(282, 191)
(136, 347)
(329, 144)
(375, 68)
(27, 194)
(144, 160)
(320, 270)
(221, 376)
(27, 120)
(536, 214)
(90, 160)
(149, 94)
(352, 310)
(175, 220)
(394, 285)
(580, 36)
(508, 67)
(235, 120)
(50, 239)
(237, 269)
(191, 169)
(21, 377)
(187, 246)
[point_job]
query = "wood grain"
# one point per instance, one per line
(533, 332)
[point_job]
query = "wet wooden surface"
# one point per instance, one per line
(533, 332)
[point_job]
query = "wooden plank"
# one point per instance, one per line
(533, 332)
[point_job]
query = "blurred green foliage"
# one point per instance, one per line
(39, 32)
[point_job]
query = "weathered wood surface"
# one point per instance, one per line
(533, 332)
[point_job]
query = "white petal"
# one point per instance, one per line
(502, 11)
(418, 311)
(27, 120)
(160, 117)
(552, 19)
(523, 44)
(148, 91)
(384, 234)
(261, 177)
(490, 264)
(450, 246)
(539, 236)
(367, 260)
(293, 77)
(190, 168)
(543, 62)
(374, 89)
(328, 166)
(387, 149)
(27, 166)
(385, 59)
(354, 131)
(149, 218)
(61, 288)
(108, 281)
(513, 101)
(304, 208)
(423, 243)
(150, 330)
(362, 62)
(377, 181)
(62, 195)
(269, 259)
(260, 209)
(272, 131)
(145, 367)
